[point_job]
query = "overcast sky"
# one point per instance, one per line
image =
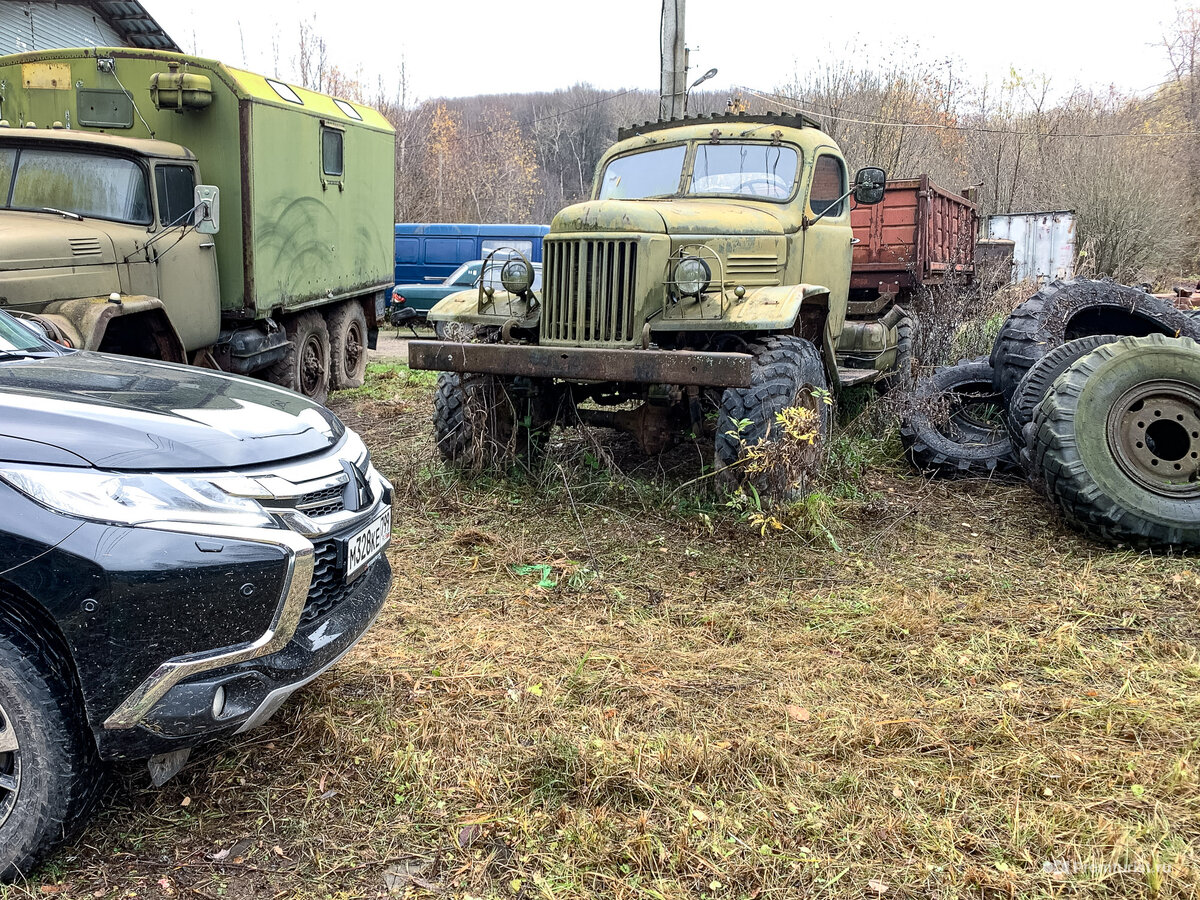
(466, 47)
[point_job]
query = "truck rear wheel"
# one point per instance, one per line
(347, 346)
(785, 372)
(49, 771)
(489, 422)
(305, 367)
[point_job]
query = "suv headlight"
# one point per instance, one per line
(692, 276)
(135, 498)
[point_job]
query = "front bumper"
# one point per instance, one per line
(682, 367)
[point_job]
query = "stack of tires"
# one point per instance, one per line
(1093, 390)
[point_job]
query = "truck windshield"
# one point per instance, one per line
(87, 184)
(754, 170)
(652, 173)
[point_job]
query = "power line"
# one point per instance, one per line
(978, 129)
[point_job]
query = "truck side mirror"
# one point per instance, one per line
(869, 185)
(208, 209)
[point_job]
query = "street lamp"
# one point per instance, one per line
(703, 78)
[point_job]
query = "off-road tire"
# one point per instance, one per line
(59, 774)
(785, 371)
(1067, 310)
(1036, 382)
(305, 367)
(906, 333)
(347, 346)
(485, 422)
(1117, 442)
(949, 441)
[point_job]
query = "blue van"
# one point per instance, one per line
(428, 252)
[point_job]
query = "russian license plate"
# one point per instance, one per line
(368, 543)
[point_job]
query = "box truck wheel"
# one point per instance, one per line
(305, 367)
(347, 346)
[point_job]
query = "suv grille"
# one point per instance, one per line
(589, 291)
(322, 503)
(329, 587)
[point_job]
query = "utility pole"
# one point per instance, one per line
(672, 91)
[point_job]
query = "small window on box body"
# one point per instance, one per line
(332, 157)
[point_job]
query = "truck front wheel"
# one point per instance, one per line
(48, 766)
(754, 446)
(347, 346)
(305, 367)
(489, 422)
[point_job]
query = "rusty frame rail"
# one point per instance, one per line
(684, 367)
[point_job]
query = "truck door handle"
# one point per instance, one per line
(208, 244)
(854, 241)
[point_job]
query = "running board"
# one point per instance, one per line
(854, 377)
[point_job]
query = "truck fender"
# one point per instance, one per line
(802, 309)
(88, 321)
(465, 306)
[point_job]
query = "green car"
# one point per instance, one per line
(421, 297)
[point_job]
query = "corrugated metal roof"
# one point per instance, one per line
(53, 24)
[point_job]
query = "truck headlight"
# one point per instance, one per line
(138, 498)
(516, 276)
(692, 276)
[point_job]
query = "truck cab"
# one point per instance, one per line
(98, 236)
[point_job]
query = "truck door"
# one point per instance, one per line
(186, 260)
(827, 243)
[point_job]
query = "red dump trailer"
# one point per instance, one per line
(920, 234)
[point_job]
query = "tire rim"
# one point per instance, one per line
(354, 347)
(1154, 435)
(10, 767)
(312, 366)
(975, 416)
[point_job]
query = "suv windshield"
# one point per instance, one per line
(750, 169)
(87, 184)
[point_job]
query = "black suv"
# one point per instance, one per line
(180, 550)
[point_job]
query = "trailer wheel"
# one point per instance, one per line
(305, 367)
(785, 372)
(49, 772)
(347, 346)
(1066, 310)
(1117, 440)
(489, 422)
(955, 426)
(1034, 385)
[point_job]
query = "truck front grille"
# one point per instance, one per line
(329, 587)
(589, 292)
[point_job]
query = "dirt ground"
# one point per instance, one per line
(602, 679)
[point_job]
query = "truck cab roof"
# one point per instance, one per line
(10, 136)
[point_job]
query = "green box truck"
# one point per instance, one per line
(115, 164)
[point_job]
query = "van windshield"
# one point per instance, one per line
(86, 184)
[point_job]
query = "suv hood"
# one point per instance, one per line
(676, 217)
(117, 413)
(46, 241)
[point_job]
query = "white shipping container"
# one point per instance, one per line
(1043, 243)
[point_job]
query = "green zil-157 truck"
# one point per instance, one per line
(115, 165)
(707, 278)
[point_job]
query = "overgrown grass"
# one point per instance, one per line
(592, 681)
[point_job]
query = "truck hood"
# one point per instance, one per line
(45, 241)
(692, 216)
(124, 414)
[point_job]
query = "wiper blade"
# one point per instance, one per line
(28, 354)
(66, 214)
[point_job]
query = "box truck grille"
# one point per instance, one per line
(589, 292)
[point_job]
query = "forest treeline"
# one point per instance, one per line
(1126, 163)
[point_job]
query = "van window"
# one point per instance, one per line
(176, 187)
(331, 152)
(448, 251)
(522, 247)
(829, 184)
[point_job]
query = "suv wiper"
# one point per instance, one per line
(28, 354)
(66, 214)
